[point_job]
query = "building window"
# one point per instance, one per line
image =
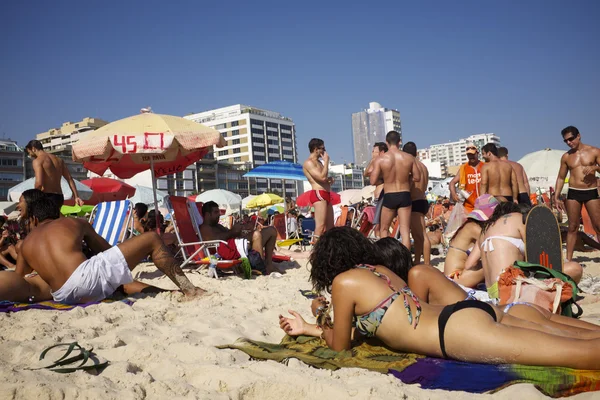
(236, 151)
(234, 123)
(223, 153)
(220, 126)
(235, 132)
(237, 159)
(235, 141)
(224, 134)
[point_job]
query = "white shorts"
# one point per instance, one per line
(242, 246)
(95, 279)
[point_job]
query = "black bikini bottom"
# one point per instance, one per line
(461, 305)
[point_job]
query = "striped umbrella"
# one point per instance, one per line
(278, 170)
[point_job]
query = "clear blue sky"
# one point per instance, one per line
(521, 69)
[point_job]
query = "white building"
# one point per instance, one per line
(369, 127)
(436, 169)
(454, 153)
(345, 176)
(254, 137)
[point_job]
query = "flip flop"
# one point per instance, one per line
(73, 359)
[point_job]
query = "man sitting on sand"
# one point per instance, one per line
(240, 238)
(53, 249)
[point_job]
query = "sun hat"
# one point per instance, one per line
(471, 151)
(484, 208)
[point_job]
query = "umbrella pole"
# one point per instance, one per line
(154, 192)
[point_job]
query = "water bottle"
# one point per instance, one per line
(212, 268)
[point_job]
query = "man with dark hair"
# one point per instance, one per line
(498, 177)
(395, 168)
(581, 162)
(316, 169)
(522, 179)
(49, 170)
(54, 249)
(468, 179)
(379, 149)
(240, 239)
(420, 207)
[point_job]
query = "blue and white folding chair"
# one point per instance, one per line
(112, 220)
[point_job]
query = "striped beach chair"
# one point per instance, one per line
(112, 220)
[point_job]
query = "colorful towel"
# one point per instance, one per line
(431, 373)
(9, 306)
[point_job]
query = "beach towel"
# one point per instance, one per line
(9, 306)
(430, 373)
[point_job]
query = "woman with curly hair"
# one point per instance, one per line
(370, 300)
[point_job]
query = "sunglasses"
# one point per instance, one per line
(567, 140)
(471, 148)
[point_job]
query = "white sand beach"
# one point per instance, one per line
(161, 348)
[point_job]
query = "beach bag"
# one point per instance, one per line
(533, 283)
(457, 218)
(228, 251)
(257, 262)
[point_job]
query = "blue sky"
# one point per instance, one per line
(521, 69)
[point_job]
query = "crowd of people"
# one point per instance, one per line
(364, 277)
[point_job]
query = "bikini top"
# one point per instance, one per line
(367, 324)
(487, 244)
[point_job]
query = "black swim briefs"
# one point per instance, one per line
(582, 195)
(57, 198)
(420, 206)
(524, 199)
(396, 200)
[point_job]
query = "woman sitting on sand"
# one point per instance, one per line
(431, 286)
(372, 301)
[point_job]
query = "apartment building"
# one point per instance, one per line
(12, 166)
(454, 153)
(371, 126)
(254, 137)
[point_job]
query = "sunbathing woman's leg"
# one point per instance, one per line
(534, 313)
(4, 261)
(489, 342)
(14, 287)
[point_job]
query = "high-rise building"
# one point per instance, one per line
(12, 166)
(59, 141)
(454, 153)
(254, 137)
(369, 127)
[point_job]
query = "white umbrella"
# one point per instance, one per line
(246, 199)
(144, 194)
(84, 192)
(6, 207)
(442, 189)
(542, 168)
(350, 196)
(229, 201)
(367, 192)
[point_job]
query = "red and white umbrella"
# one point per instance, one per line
(107, 189)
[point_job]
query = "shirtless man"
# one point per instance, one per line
(395, 167)
(317, 173)
(240, 238)
(498, 178)
(53, 249)
(522, 179)
(48, 170)
(581, 162)
(420, 207)
(379, 149)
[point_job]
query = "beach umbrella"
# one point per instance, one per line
(542, 168)
(263, 200)
(246, 199)
(350, 196)
(283, 170)
(165, 144)
(144, 194)
(270, 210)
(442, 189)
(229, 201)
(14, 193)
(6, 207)
(304, 199)
(107, 189)
(368, 191)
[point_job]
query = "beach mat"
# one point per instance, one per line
(430, 373)
(9, 306)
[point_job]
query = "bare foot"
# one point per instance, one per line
(194, 293)
(272, 268)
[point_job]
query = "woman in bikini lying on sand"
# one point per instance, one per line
(370, 300)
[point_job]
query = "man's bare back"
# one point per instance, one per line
(51, 168)
(499, 179)
(418, 189)
(395, 168)
(521, 176)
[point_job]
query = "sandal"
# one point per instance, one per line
(75, 358)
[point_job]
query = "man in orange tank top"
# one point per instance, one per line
(468, 178)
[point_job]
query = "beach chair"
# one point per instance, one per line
(283, 236)
(307, 227)
(346, 216)
(112, 220)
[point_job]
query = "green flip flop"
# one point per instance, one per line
(74, 359)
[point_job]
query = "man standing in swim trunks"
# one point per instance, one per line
(582, 162)
(395, 167)
(498, 177)
(420, 207)
(379, 149)
(468, 178)
(240, 238)
(48, 170)
(317, 173)
(522, 179)
(54, 249)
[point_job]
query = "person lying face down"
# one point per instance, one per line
(53, 249)
(370, 300)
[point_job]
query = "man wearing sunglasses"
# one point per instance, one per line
(582, 162)
(468, 178)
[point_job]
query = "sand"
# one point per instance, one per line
(161, 348)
